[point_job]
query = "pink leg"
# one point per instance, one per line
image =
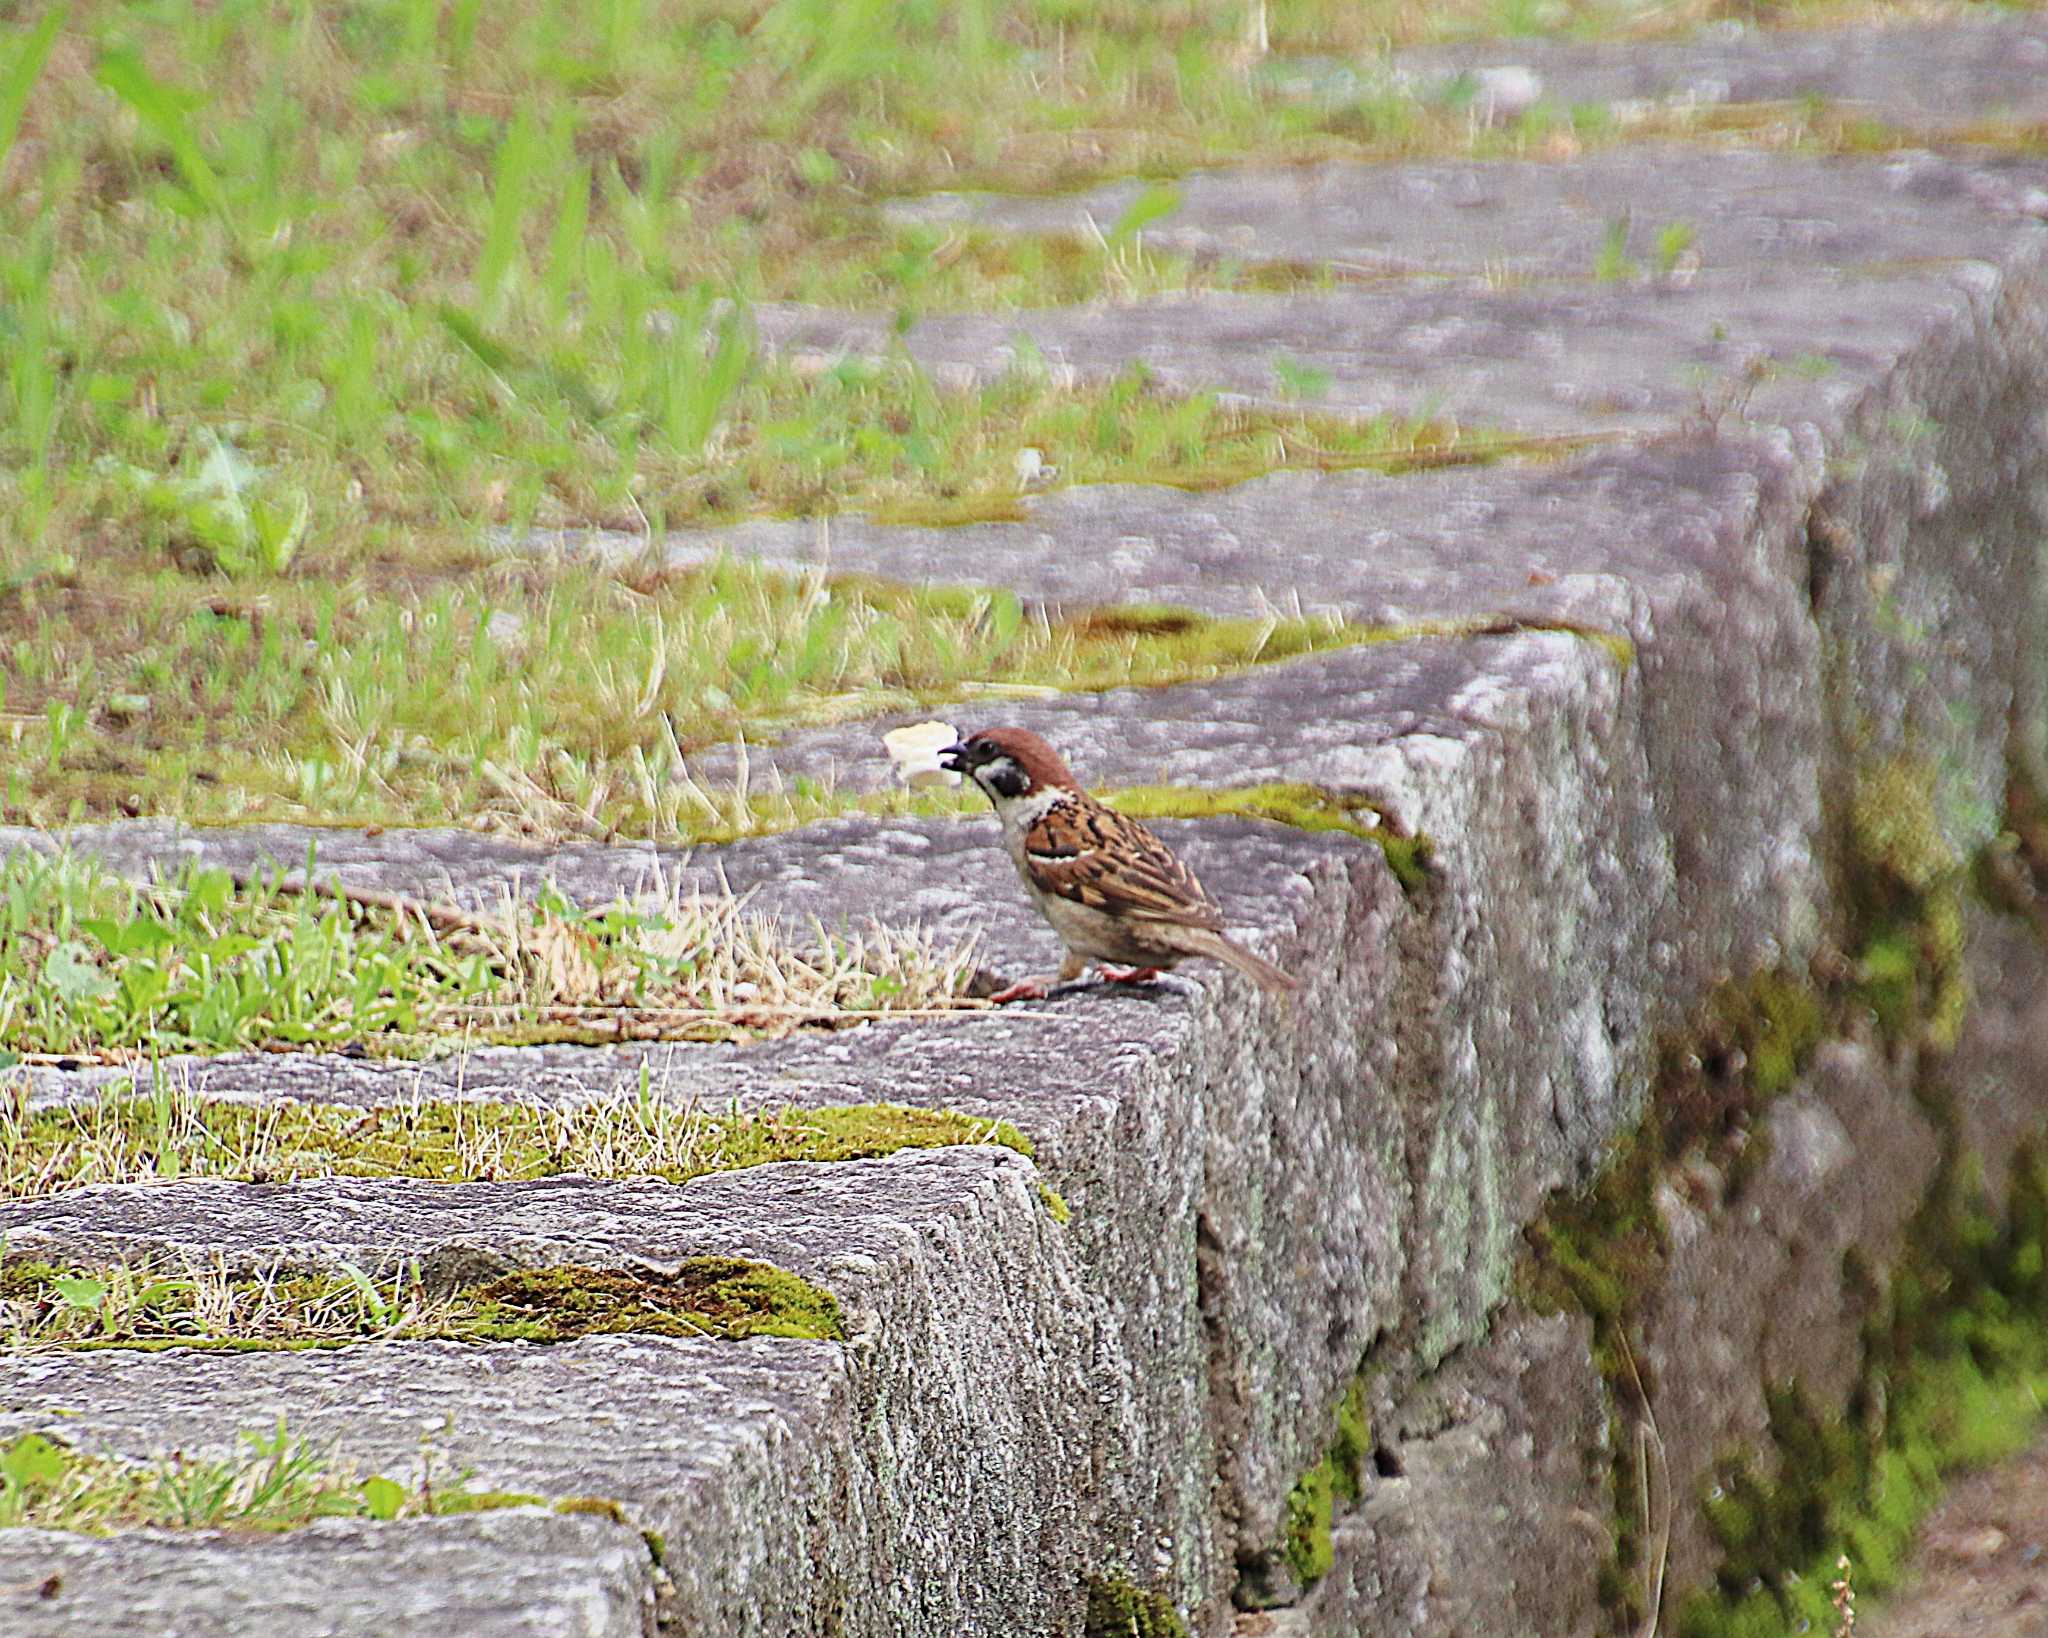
(1130, 975)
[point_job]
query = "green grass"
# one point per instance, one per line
(162, 1303)
(281, 282)
(93, 965)
(273, 1483)
(299, 301)
(529, 698)
(168, 1134)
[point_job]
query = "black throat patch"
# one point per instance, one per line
(1004, 778)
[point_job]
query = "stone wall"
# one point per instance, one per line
(1724, 695)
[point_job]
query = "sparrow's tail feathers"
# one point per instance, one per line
(1257, 968)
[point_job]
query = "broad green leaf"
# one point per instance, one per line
(32, 1459)
(71, 971)
(384, 1497)
(79, 1291)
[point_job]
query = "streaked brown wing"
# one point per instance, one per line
(1109, 862)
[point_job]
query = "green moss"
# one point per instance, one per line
(1117, 1609)
(1600, 1251)
(950, 514)
(1956, 1367)
(1955, 1361)
(1055, 1204)
(1305, 1540)
(1905, 884)
(706, 1296)
(1352, 1447)
(148, 1308)
(601, 1507)
(454, 1142)
(1305, 1530)
(484, 1501)
(1305, 807)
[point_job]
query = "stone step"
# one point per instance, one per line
(1836, 220)
(1132, 1098)
(1924, 77)
(515, 1574)
(754, 1465)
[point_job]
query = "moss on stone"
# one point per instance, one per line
(1118, 1609)
(484, 1501)
(720, 1297)
(597, 1507)
(1950, 1373)
(1956, 1367)
(1305, 1527)
(466, 1141)
(1906, 883)
(1305, 807)
(707, 1296)
(1055, 1204)
(1598, 1252)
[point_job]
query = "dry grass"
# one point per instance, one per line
(93, 966)
(192, 1301)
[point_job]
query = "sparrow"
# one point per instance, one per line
(1112, 890)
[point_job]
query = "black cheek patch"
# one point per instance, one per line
(1008, 780)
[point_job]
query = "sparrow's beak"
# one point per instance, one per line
(953, 758)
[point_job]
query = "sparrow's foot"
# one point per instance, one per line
(1029, 989)
(1130, 975)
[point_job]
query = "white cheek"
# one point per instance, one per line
(1020, 813)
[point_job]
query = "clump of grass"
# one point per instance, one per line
(531, 698)
(161, 1302)
(192, 1303)
(169, 1133)
(275, 1482)
(92, 965)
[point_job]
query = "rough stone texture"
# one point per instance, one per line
(1724, 705)
(1849, 1160)
(518, 1574)
(1807, 277)
(1486, 1521)
(880, 1486)
(1843, 568)
(1920, 77)
(1275, 1140)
